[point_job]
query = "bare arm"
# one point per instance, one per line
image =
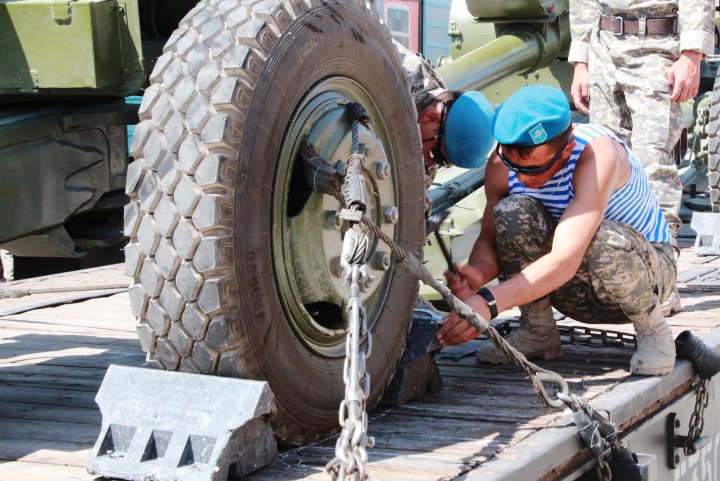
(483, 263)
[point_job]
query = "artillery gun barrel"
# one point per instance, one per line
(516, 52)
(455, 190)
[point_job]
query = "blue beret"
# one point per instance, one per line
(468, 138)
(531, 116)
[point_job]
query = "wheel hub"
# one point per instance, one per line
(307, 231)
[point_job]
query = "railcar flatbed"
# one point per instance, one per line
(485, 423)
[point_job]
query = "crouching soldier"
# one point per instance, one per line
(570, 223)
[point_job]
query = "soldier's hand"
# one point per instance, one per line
(684, 76)
(465, 283)
(456, 331)
(580, 88)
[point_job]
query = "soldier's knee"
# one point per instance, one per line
(608, 243)
(519, 216)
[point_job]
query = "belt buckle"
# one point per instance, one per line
(621, 22)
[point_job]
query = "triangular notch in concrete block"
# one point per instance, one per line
(198, 450)
(117, 440)
(156, 446)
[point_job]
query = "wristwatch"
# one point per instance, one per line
(490, 299)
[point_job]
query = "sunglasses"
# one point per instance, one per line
(436, 151)
(535, 170)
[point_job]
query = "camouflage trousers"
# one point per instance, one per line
(630, 94)
(622, 277)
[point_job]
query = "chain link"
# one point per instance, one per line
(602, 468)
(697, 419)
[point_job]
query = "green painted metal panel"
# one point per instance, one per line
(70, 47)
(509, 9)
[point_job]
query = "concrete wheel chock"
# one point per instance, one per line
(161, 425)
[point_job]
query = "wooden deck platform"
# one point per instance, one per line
(55, 348)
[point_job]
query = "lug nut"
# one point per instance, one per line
(391, 214)
(381, 261)
(382, 170)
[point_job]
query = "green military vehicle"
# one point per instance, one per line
(235, 257)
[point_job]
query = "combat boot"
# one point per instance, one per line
(655, 354)
(537, 336)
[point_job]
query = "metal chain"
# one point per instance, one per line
(697, 419)
(582, 335)
(351, 447)
(602, 469)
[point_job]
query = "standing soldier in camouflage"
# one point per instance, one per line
(635, 61)
(570, 223)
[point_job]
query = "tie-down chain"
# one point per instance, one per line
(351, 447)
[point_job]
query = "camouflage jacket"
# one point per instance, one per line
(425, 86)
(696, 21)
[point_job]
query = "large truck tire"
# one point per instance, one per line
(234, 258)
(714, 147)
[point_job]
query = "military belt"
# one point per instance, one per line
(641, 25)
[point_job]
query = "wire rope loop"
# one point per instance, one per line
(554, 378)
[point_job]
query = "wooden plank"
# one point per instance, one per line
(395, 421)
(59, 413)
(59, 453)
(56, 326)
(24, 471)
(42, 395)
(38, 299)
(30, 343)
(9, 335)
(105, 311)
(705, 259)
(84, 357)
(692, 274)
(59, 301)
(93, 316)
(49, 431)
(56, 377)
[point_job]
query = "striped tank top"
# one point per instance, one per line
(633, 203)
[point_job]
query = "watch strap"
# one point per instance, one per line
(490, 299)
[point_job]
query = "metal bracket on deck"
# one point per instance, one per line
(707, 226)
(172, 426)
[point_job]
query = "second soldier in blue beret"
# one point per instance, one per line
(570, 223)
